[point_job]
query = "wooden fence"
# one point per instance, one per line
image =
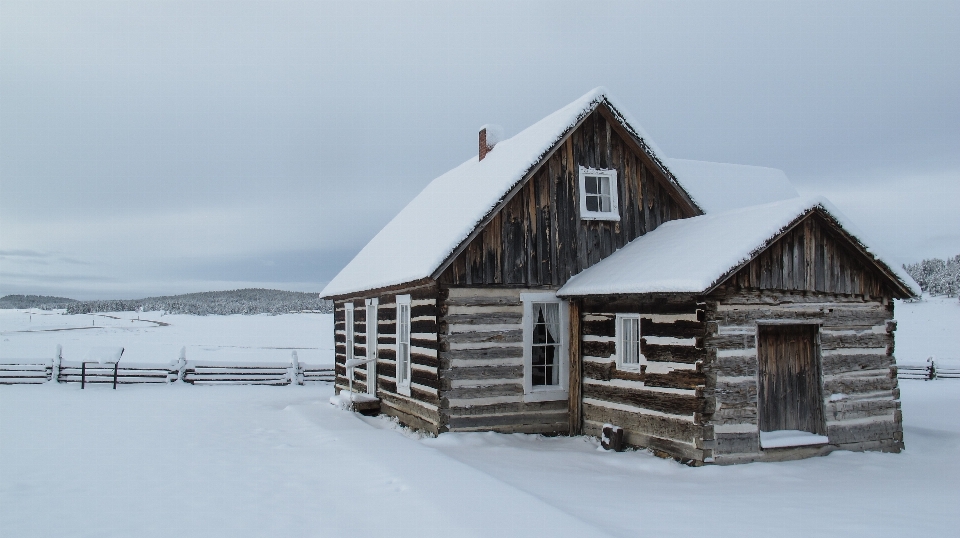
(928, 371)
(35, 371)
(118, 373)
(25, 371)
(218, 373)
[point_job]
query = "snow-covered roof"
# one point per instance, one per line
(424, 234)
(720, 187)
(693, 255)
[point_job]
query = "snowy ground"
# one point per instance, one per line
(189, 461)
(929, 328)
(280, 461)
(153, 337)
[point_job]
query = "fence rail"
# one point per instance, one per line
(927, 371)
(37, 371)
(215, 373)
(27, 371)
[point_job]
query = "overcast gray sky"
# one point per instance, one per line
(166, 147)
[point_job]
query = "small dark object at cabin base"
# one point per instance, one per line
(612, 438)
(368, 408)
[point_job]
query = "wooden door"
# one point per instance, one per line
(789, 395)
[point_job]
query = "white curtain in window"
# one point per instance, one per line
(630, 331)
(551, 316)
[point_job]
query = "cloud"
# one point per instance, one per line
(200, 144)
(912, 216)
(23, 253)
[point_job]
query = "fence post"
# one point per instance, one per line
(181, 363)
(83, 375)
(933, 369)
(295, 377)
(55, 369)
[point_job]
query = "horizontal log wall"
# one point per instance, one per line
(659, 406)
(420, 410)
(538, 239)
(481, 366)
(859, 386)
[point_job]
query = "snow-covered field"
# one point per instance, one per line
(929, 328)
(181, 460)
(153, 337)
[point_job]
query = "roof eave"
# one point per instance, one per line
(366, 293)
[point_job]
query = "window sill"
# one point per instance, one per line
(403, 390)
(546, 395)
(600, 216)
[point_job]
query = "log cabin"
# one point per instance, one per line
(572, 277)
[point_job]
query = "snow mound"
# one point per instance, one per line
(346, 399)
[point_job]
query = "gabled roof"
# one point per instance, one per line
(695, 255)
(720, 187)
(413, 245)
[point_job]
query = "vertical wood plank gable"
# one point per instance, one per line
(538, 238)
(812, 258)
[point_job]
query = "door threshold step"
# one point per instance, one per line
(791, 438)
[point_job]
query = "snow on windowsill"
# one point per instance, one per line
(789, 438)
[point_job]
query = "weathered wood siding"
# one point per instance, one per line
(861, 404)
(538, 238)
(421, 409)
(481, 366)
(811, 258)
(659, 407)
(810, 275)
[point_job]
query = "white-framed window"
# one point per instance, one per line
(348, 330)
(628, 342)
(403, 344)
(545, 351)
(372, 335)
(598, 194)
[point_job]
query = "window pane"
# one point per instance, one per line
(403, 344)
(630, 330)
(348, 326)
(603, 185)
(540, 333)
(539, 355)
(591, 184)
(552, 364)
(605, 203)
(593, 203)
(539, 376)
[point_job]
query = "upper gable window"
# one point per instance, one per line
(598, 194)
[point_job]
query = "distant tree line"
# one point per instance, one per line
(35, 301)
(936, 276)
(245, 301)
